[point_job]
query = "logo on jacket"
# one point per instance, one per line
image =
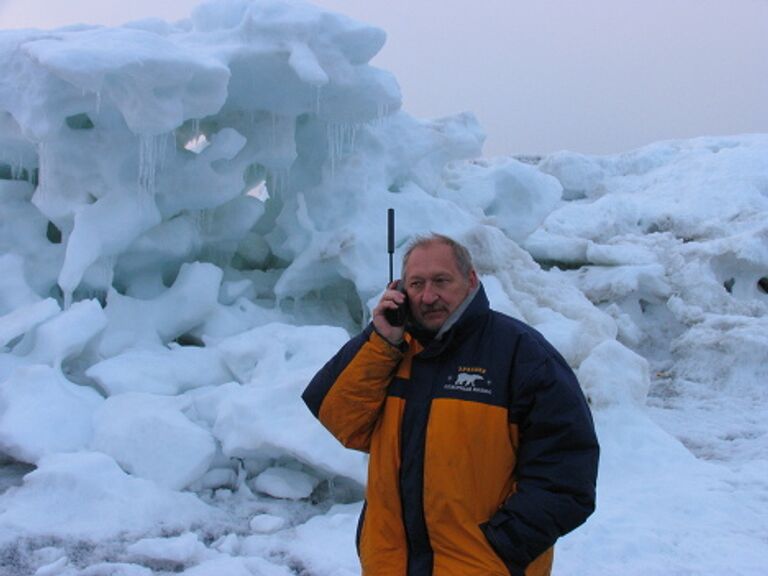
(470, 379)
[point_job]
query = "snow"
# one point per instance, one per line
(613, 375)
(151, 438)
(162, 370)
(66, 334)
(181, 549)
(193, 222)
(137, 322)
(323, 543)
(23, 319)
(266, 523)
(44, 413)
(665, 521)
(285, 483)
(85, 495)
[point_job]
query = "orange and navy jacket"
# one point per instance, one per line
(482, 447)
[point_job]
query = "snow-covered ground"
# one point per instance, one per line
(193, 219)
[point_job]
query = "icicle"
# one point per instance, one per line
(279, 181)
(42, 175)
(282, 139)
(274, 119)
(151, 161)
(383, 113)
(146, 164)
(203, 221)
(331, 136)
(164, 139)
(318, 90)
(341, 142)
(352, 139)
(17, 168)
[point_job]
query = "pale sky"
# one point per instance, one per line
(593, 76)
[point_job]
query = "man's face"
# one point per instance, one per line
(435, 285)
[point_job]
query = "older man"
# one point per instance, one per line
(482, 447)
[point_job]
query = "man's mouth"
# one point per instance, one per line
(434, 312)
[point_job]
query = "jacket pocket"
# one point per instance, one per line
(490, 535)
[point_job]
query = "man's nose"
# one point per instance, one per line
(429, 296)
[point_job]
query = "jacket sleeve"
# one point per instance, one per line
(556, 470)
(348, 393)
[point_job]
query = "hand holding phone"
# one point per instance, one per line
(392, 306)
(397, 316)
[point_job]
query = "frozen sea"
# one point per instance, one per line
(193, 220)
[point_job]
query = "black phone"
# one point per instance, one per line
(398, 316)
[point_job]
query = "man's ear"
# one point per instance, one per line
(473, 279)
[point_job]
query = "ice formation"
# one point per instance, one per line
(193, 221)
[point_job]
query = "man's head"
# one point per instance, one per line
(438, 275)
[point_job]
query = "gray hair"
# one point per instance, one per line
(460, 253)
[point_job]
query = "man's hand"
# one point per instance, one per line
(390, 300)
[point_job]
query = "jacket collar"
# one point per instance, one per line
(457, 314)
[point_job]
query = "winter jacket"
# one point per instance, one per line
(482, 447)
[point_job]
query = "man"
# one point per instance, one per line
(482, 447)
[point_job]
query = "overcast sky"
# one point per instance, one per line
(592, 76)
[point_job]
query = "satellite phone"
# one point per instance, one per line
(397, 316)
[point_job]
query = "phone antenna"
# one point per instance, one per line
(391, 241)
